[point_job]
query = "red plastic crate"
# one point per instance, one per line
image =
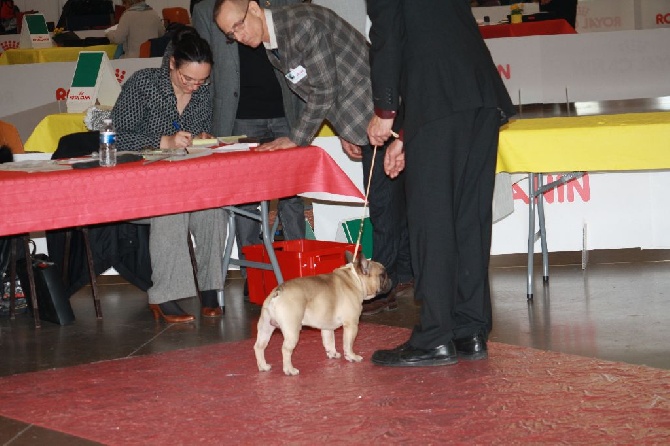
(296, 258)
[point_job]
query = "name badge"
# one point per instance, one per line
(297, 74)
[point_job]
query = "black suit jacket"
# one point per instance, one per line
(431, 53)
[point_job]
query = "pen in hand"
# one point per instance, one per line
(177, 127)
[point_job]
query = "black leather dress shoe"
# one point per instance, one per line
(472, 347)
(407, 356)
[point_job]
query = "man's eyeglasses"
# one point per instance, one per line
(237, 26)
(193, 82)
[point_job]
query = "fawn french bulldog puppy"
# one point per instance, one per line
(325, 302)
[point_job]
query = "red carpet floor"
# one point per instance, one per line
(215, 395)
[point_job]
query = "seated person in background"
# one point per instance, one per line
(138, 24)
(563, 9)
(8, 16)
(90, 8)
(164, 107)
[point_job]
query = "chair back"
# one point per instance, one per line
(176, 15)
(10, 137)
(118, 12)
(145, 49)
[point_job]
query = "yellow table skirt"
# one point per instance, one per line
(326, 130)
(632, 141)
(48, 132)
(53, 54)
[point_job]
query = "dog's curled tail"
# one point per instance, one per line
(275, 293)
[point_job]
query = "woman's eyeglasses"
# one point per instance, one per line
(194, 82)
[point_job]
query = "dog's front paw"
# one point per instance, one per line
(264, 367)
(291, 371)
(353, 357)
(333, 354)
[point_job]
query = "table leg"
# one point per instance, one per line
(91, 273)
(194, 265)
(531, 234)
(267, 241)
(230, 240)
(543, 229)
(536, 191)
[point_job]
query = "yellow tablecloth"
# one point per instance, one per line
(632, 141)
(48, 132)
(326, 130)
(54, 54)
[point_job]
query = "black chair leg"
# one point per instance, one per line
(66, 256)
(31, 280)
(91, 273)
(30, 284)
(12, 279)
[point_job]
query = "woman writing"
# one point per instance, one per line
(163, 107)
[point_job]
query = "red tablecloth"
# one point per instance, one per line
(40, 201)
(541, 28)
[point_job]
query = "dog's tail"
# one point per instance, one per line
(275, 292)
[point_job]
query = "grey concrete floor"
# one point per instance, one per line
(616, 311)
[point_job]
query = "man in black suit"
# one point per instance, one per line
(431, 54)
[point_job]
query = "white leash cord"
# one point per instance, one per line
(365, 204)
(367, 193)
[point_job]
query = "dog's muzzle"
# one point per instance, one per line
(385, 283)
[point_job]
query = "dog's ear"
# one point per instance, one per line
(349, 256)
(364, 264)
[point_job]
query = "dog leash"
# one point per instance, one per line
(365, 203)
(365, 206)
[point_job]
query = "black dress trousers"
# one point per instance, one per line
(450, 168)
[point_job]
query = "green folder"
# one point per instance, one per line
(88, 66)
(36, 24)
(309, 232)
(351, 229)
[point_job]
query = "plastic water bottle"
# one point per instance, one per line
(107, 144)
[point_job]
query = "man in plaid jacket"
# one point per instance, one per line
(323, 58)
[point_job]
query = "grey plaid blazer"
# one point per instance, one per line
(335, 56)
(226, 70)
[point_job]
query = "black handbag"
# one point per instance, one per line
(52, 300)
